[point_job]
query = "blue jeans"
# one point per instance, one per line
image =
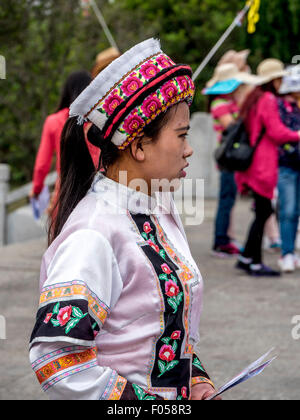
(227, 196)
(289, 208)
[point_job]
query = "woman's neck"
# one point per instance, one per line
(129, 177)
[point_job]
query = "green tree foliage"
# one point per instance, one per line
(44, 40)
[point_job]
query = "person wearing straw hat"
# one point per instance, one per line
(289, 172)
(225, 90)
(120, 292)
(261, 115)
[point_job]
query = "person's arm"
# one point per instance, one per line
(275, 129)
(44, 157)
(83, 284)
(221, 112)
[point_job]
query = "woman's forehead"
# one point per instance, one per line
(180, 116)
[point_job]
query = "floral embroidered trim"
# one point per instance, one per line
(67, 374)
(185, 276)
(202, 380)
(166, 355)
(68, 316)
(46, 372)
(118, 83)
(137, 124)
(64, 350)
(75, 289)
(118, 389)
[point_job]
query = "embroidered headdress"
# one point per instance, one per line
(132, 91)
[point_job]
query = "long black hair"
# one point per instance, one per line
(77, 169)
(74, 85)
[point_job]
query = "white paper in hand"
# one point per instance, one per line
(40, 204)
(250, 371)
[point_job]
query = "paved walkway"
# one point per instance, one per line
(242, 318)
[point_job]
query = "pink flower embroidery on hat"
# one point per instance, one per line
(149, 70)
(133, 123)
(163, 61)
(183, 83)
(151, 105)
(169, 91)
(131, 85)
(112, 102)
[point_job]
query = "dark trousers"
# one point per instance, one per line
(227, 196)
(253, 247)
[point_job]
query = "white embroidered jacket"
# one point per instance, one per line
(120, 302)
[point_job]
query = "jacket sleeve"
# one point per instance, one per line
(44, 155)
(199, 374)
(275, 129)
(83, 284)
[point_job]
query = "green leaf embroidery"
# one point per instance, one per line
(161, 366)
(172, 364)
(150, 397)
(198, 364)
(139, 392)
(173, 304)
(77, 312)
(174, 279)
(162, 253)
(152, 237)
(167, 367)
(179, 298)
(56, 309)
(166, 340)
(174, 346)
(163, 277)
(144, 235)
(55, 323)
(71, 324)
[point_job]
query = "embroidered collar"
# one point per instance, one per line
(120, 195)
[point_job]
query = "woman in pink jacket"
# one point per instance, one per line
(260, 112)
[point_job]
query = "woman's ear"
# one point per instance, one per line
(137, 151)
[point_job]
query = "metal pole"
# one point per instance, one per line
(103, 24)
(226, 34)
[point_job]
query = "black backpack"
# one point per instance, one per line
(235, 152)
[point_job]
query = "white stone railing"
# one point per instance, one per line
(8, 198)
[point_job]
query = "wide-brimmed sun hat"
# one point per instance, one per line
(270, 69)
(226, 79)
(291, 82)
(239, 58)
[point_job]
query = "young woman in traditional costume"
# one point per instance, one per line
(120, 292)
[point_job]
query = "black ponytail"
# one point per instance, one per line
(76, 174)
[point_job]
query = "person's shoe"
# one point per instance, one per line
(297, 261)
(287, 263)
(243, 266)
(261, 270)
(225, 251)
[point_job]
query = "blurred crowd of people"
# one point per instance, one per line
(269, 104)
